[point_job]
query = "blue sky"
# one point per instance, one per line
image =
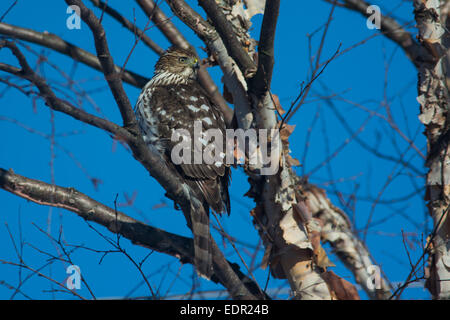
(356, 80)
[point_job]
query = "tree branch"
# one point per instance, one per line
(233, 78)
(225, 29)
(115, 221)
(26, 72)
(129, 25)
(164, 24)
(170, 31)
(434, 100)
(392, 30)
(54, 42)
(149, 158)
(337, 231)
(112, 76)
(260, 83)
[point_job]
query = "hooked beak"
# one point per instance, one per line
(195, 64)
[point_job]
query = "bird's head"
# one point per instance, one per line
(179, 62)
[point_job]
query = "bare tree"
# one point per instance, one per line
(294, 217)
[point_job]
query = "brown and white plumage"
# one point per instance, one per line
(173, 100)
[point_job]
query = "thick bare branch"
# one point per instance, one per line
(170, 31)
(115, 221)
(230, 40)
(260, 83)
(112, 76)
(57, 104)
(164, 24)
(233, 78)
(337, 230)
(150, 159)
(54, 42)
(434, 100)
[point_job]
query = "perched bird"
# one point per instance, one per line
(174, 100)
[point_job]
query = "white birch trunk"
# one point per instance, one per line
(433, 97)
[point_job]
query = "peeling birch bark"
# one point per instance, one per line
(291, 247)
(288, 248)
(235, 82)
(233, 78)
(337, 230)
(286, 237)
(433, 97)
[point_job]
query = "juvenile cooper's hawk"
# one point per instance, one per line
(173, 100)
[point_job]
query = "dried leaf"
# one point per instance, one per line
(266, 257)
(320, 255)
(278, 106)
(313, 227)
(342, 289)
(321, 258)
(292, 161)
(286, 131)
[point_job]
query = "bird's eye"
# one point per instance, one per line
(182, 59)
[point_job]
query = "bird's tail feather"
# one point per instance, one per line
(202, 241)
